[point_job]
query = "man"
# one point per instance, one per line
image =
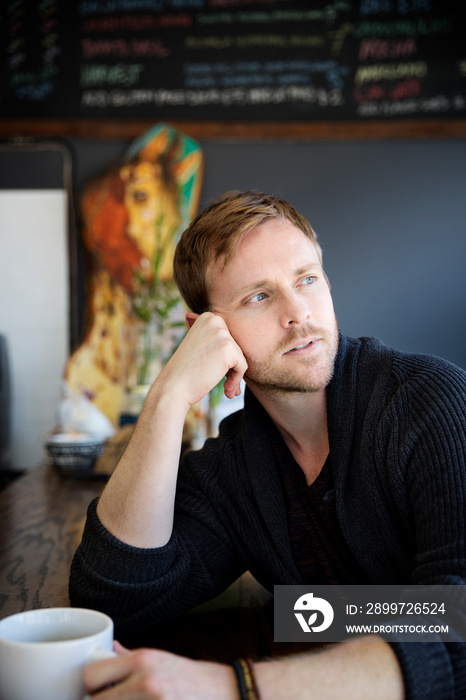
(345, 466)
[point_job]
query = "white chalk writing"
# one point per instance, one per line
(196, 98)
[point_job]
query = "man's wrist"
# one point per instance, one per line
(168, 397)
(246, 679)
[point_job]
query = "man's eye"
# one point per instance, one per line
(257, 297)
(309, 280)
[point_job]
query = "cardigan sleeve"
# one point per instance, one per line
(141, 588)
(429, 432)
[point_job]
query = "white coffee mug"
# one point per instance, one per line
(43, 652)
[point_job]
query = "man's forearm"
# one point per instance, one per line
(137, 503)
(360, 669)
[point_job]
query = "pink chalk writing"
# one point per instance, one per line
(401, 90)
(122, 48)
(386, 48)
(136, 23)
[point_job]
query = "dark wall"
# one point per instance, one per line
(391, 217)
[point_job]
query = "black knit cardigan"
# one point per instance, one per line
(397, 433)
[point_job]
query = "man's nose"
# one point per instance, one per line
(295, 310)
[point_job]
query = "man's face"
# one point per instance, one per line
(276, 302)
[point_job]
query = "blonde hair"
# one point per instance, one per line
(216, 234)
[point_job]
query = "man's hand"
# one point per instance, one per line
(207, 354)
(150, 674)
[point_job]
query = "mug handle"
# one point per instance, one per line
(97, 655)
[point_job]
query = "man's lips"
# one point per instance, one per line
(301, 348)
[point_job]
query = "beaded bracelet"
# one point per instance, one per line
(246, 681)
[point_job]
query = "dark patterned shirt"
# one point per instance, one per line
(319, 549)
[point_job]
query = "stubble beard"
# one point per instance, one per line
(309, 375)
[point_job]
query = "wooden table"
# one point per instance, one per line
(42, 516)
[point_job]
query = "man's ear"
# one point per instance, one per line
(191, 318)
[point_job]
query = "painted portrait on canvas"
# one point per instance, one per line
(132, 216)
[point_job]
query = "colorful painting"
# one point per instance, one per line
(132, 217)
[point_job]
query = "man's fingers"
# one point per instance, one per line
(207, 354)
(101, 674)
(232, 385)
(120, 649)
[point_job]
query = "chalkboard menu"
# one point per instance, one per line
(282, 60)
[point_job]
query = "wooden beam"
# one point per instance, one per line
(23, 129)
